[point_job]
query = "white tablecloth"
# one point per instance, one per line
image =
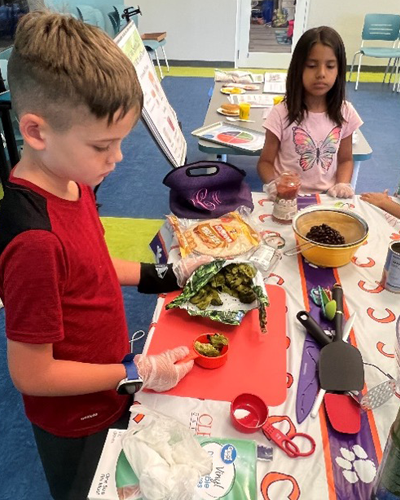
(343, 466)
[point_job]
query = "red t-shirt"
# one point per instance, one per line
(59, 286)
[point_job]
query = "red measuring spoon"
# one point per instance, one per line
(249, 413)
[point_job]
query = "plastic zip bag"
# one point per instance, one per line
(232, 310)
(165, 456)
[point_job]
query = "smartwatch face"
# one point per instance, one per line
(129, 386)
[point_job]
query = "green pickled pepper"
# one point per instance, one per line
(387, 481)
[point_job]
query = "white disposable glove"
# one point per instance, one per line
(159, 371)
(341, 190)
(270, 190)
(184, 268)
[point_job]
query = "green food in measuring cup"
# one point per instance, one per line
(218, 340)
(206, 349)
(213, 349)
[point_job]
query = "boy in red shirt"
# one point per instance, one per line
(77, 96)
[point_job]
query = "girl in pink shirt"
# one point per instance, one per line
(310, 132)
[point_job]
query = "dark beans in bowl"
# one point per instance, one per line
(326, 235)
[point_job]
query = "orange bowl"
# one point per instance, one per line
(350, 225)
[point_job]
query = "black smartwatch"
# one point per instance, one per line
(132, 383)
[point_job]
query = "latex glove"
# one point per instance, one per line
(159, 371)
(270, 190)
(341, 190)
(184, 268)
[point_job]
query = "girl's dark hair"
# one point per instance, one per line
(295, 95)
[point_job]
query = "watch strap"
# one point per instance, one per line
(130, 367)
(133, 382)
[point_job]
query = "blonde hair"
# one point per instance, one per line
(59, 64)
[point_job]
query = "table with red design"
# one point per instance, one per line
(343, 466)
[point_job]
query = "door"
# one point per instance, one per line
(247, 58)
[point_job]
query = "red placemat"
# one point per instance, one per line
(256, 363)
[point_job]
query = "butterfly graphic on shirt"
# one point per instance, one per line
(312, 155)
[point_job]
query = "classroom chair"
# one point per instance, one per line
(91, 15)
(151, 41)
(115, 20)
(379, 27)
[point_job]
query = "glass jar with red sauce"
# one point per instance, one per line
(285, 205)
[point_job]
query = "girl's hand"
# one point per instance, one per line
(341, 190)
(270, 190)
(160, 371)
(380, 200)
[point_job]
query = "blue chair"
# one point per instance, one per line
(153, 42)
(382, 27)
(90, 15)
(118, 19)
(115, 20)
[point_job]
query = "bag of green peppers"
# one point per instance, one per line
(224, 291)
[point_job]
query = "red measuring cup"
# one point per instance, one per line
(249, 413)
(206, 361)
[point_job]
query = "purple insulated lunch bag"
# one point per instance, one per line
(207, 190)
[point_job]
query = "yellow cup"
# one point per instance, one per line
(278, 99)
(244, 110)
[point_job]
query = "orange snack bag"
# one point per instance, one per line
(226, 236)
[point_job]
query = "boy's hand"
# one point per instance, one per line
(341, 190)
(160, 371)
(380, 200)
(184, 268)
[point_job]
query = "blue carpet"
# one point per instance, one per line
(379, 108)
(21, 471)
(135, 189)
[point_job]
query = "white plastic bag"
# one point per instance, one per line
(233, 76)
(165, 456)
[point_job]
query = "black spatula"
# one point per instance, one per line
(313, 328)
(341, 367)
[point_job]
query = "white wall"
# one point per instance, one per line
(197, 30)
(205, 30)
(347, 17)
